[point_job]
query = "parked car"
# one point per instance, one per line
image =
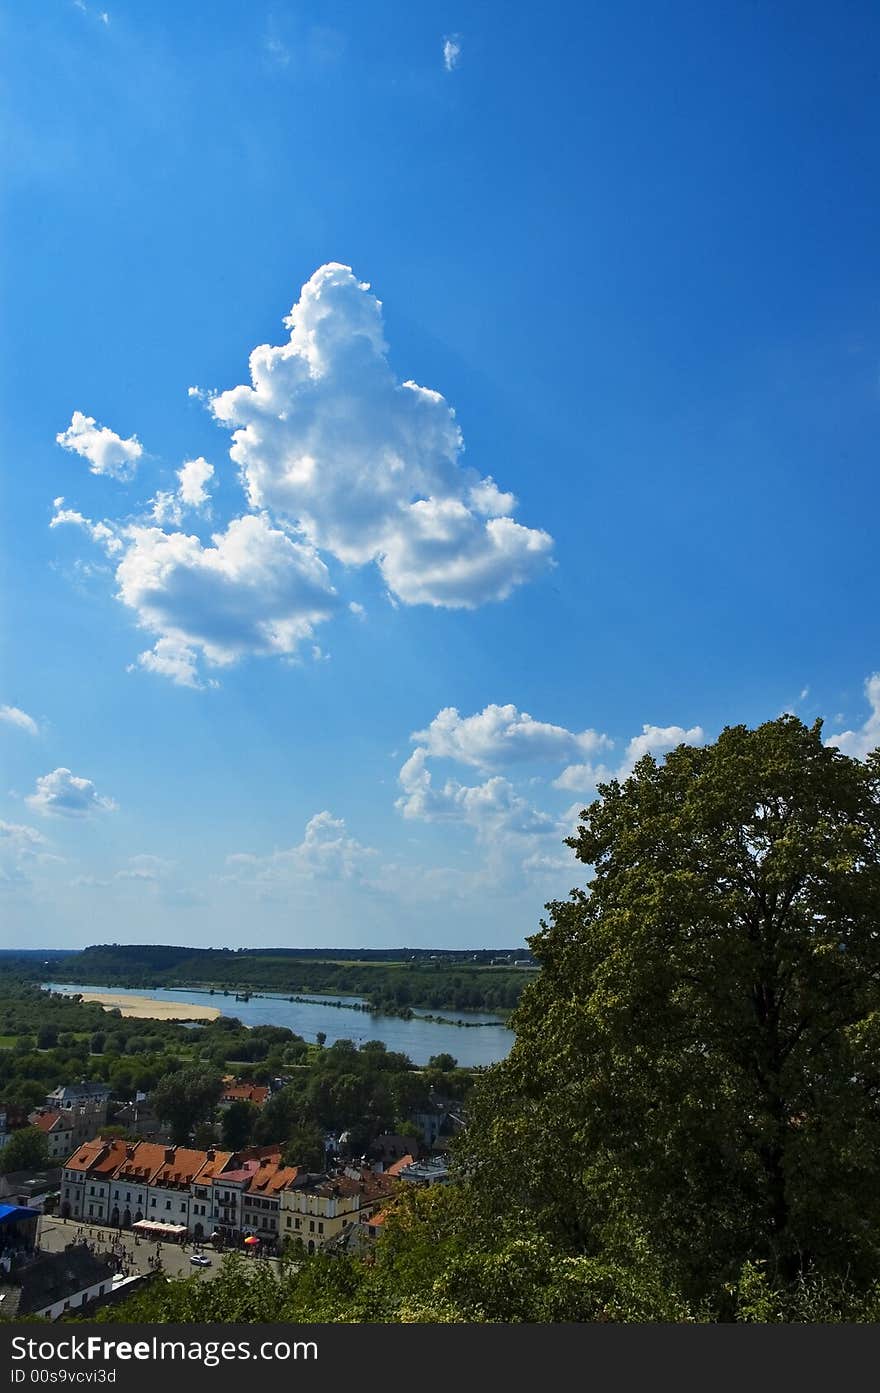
(199, 1260)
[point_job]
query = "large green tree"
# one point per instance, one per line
(696, 1071)
(185, 1098)
(27, 1149)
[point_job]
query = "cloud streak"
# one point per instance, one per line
(14, 716)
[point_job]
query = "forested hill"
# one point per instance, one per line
(434, 979)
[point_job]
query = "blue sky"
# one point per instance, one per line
(351, 683)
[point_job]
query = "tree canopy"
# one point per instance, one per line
(697, 1068)
(185, 1098)
(27, 1149)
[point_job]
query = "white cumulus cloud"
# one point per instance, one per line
(368, 467)
(502, 735)
(254, 591)
(653, 740)
(326, 852)
(106, 452)
(64, 794)
(493, 808)
(14, 716)
(866, 738)
(192, 492)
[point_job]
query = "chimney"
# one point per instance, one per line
(210, 1153)
(129, 1152)
(169, 1155)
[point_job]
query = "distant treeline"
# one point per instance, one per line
(413, 978)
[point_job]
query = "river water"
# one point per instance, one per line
(484, 1041)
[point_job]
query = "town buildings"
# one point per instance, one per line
(203, 1193)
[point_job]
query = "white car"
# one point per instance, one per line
(199, 1260)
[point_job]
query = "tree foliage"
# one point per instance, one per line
(185, 1098)
(697, 1068)
(27, 1149)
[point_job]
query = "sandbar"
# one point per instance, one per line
(148, 1008)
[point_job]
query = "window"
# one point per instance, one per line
(288, 1221)
(311, 1226)
(320, 1228)
(153, 1201)
(127, 1196)
(167, 1204)
(182, 1206)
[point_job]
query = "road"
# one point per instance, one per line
(53, 1234)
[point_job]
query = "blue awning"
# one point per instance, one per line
(12, 1213)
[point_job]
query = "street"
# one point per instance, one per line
(53, 1234)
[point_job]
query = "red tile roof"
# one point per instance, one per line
(45, 1121)
(271, 1177)
(398, 1166)
(246, 1093)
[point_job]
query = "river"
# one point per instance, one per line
(485, 1041)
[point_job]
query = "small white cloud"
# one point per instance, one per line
(149, 869)
(13, 716)
(654, 740)
(357, 610)
(194, 475)
(866, 738)
(192, 492)
(171, 658)
(503, 735)
(104, 534)
(21, 851)
(493, 808)
(62, 794)
(451, 52)
(658, 740)
(326, 852)
(106, 452)
(24, 839)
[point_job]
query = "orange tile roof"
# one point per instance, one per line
(108, 1164)
(271, 1177)
(214, 1166)
(98, 1157)
(398, 1166)
(141, 1165)
(245, 1092)
(46, 1121)
(84, 1157)
(181, 1170)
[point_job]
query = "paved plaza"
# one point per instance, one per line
(135, 1254)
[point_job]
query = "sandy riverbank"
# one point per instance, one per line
(148, 1008)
